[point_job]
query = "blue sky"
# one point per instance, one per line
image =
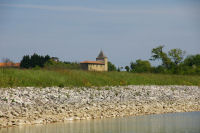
(77, 30)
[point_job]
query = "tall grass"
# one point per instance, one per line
(60, 77)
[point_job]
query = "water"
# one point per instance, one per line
(188, 122)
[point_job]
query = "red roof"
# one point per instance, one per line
(9, 64)
(92, 62)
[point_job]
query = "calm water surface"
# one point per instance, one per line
(188, 122)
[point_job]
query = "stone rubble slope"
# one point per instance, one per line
(32, 105)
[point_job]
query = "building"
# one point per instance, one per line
(56, 59)
(9, 64)
(101, 63)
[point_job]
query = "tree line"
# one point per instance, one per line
(172, 62)
(33, 61)
(39, 61)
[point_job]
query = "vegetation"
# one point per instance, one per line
(193, 60)
(127, 68)
(33, 61)
(51, 64)
(111, 67)
(140, 66)
(37, 61)
(173, 62)
(11, 77)
(36, 70)
(49, 71)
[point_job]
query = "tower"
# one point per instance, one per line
(102, 58)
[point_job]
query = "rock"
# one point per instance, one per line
(14, 113)
(1, 114)
(31, 105)
(3, 123)
(69, 119)
(38, 121)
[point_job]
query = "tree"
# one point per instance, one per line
(158, 54)
(111, 67)
(25, 62)
(192, 60)
(47, 57)
(119, 69)
(176, 55)
(140, 66)
(127, 68)
(33, 61)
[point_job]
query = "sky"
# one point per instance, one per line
(76, 30)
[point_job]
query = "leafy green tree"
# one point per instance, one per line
(140, 66)
(192, 60)
(25, 62)
(45, 59)
(191, 65)
(158, 54)
(159, 69)
(127, 68)
(111, 67)
(176, 55)
(118, 69)
(33, 61)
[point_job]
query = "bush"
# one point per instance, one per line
(111, 67)
(127, 68)
(192, 60)
(51, 64)
(140, 66)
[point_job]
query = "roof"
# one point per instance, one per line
(92, 62)
(9, 64)
(101, 55)
(55, 58)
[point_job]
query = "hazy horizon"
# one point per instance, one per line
(77, 30)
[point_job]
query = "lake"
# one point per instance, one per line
(188, 122)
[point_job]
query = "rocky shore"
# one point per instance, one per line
(31, 105)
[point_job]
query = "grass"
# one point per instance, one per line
(42, 78)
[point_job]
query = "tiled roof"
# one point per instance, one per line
(9, 64)
(92, 62)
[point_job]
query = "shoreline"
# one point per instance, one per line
(31, 105)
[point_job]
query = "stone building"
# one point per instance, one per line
(101, 63)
